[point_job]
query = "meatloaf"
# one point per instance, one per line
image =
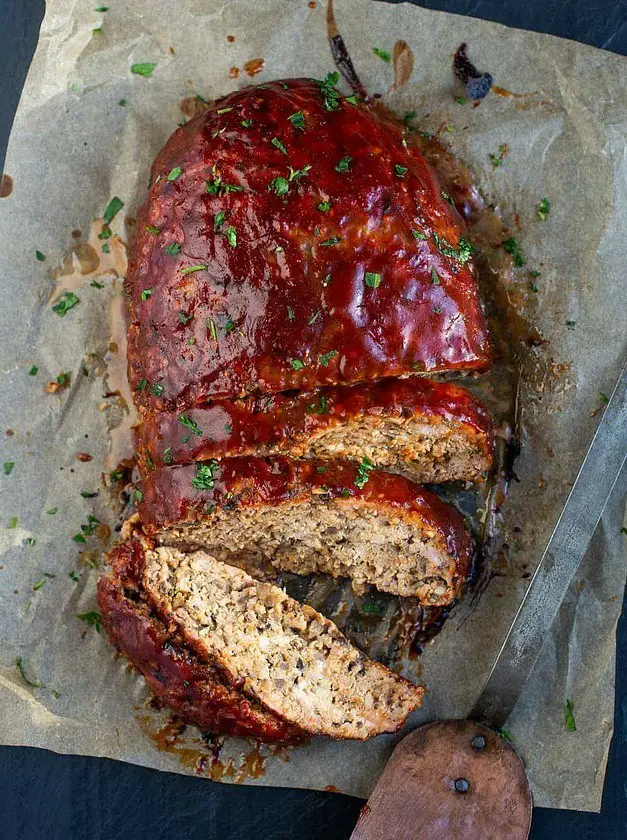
(429, 431)
(335, 517)
(290, 239)
(268, 664)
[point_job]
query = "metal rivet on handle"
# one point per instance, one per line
(461, 785)
(478, 742)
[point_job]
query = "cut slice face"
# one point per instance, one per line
(333, 517)
(285, 655)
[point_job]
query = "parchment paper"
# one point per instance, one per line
(74, 146)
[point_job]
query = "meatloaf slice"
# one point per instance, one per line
(335, 517)
(285, 655)
(429, 431)
(291, 239)
(191, 686)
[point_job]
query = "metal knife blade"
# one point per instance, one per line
(562, 556)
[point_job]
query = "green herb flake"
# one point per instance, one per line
(12, 523)
(409, 117)
(512, 247)
(79, 538)
(299, 173)
(321, 408)
(39, 256)
(218, 219)
(112, 209)
(570, 717)
(321, 469)
(203, 480)
(330, 94)
(298, 120)
(345, 494)
(105, 233)
(19, 664)
(87, 494)
(175, 173)
(326, 280)
(384, 55)
(146, 293)
(144, 68)
(504, 734)
(96, 284)
(33, 371)
(73, 576)
(64, 379)
(101, 9)
(167, 455)
(224, 110)
(190, 269)
(497, 159)
(435, 278)
(39, 584)
(91, 618)
(231, 235)
(343, 165)
(543, 209)
(141, 385)
(122, 102)
(105, 249)
(325, 358)
(290, 314)
(67, 301)
(137, 495)
(156, 389)
(333, 240)
(312, 320)
(352, 100)
(571, 324)
(461, 100)
(418, 234)
(533, 287)
(400, 171)
(297, 364)
(190, 424)
(52, 511)
(276, 142)
(372, 608)
(246, 123)
(280, 185)
(217, 187)
(8, 467)
(372, 279)
(447, 197)
(363, 470)
(228, 325)
(324, 206)
(183, 318)
(603, 398)
(173, 248)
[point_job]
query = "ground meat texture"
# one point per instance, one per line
(302, 516)
(429, 431)
(286, 656)
(290, 239)
(189, 684)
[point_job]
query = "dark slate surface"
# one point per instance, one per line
(43, 795)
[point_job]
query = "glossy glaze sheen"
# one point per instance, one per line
(169, 497)
(262, 316)
(286, 421)
(193, 689)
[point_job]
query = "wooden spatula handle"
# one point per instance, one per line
(450, 780)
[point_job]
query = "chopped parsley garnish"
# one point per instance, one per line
(333, 240)
(447, 197)
(372, 279)
(231, 235)
(497, 159)
(52, 511)
(79, 538)
(141, 385)
(185, 319)
(173, 248)
(192, 268)
(157, 389)
(228, 428)
(571, 324)
(297, 364)
(137, 495)
(533, 287)
(603, 398)
(317, 314)
(324, 206)
(512, 247)
(101, 9)
(33, 371)
(96, 284)
(203, 480)
(344, 164)
(19, 664)
(92, 618)
(298, 120)
(213, 332)
(39, 256)
(352, 100)
(218, 219)
(321, 469)
(112, 209)
(122, 102)
(299, 173)
(543, 209)
(173, 174)
(246, 123)
(144, 68)
(409, 117)
(190, 424)
(326, 357)
(146, 293)
(12, 522)
(363, 470)
(418, 234)
(67, 301)
(326, 280)
(330, 94)
(372, 608)
(39, 584)
(229, 325)
(435, 277)
(224, 110)
(217, 187)
(290, 313)
(570, 716)
(8, 467)
(280, 185)
(321, 408)
(87, 495)
(461, 100)
(167, 455)
(462, 253)
(64, 379)
(276, 142)
(399, 170)
(384, 55)
(345, 493)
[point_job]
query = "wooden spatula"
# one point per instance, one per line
(457, 779)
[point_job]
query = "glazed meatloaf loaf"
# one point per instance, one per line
(335, 517)
(429, 431)
(290, 239)
(231, 653)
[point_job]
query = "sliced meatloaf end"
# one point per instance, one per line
(188, 684)
(286, 656)
(270, 255)
(335, 517)
(429, 431)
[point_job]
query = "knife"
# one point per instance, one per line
(458, 779)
